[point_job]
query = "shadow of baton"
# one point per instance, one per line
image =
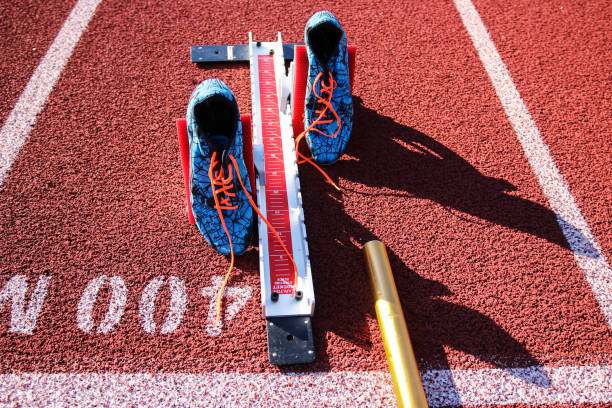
(400, 356)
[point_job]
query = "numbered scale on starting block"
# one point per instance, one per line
(288, 300)
(268, 141)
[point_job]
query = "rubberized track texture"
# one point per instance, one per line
(480, 156)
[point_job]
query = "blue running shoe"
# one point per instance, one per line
(218, 175)
(328, 110)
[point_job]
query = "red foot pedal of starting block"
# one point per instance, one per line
(181, 129)
(300, 61)
(247, 151)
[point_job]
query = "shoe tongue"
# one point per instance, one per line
(222, 158)
(221, 142)
(225, 156)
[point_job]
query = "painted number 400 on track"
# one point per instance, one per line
(24, 313)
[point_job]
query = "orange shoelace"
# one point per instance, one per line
(226, 186)
(321, 119)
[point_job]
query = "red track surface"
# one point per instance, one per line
(28, 28)
(567, 91)
(434, 170)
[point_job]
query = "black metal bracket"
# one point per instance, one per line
(290, 340)
(231, 53)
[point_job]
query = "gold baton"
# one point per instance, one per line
(400, 356)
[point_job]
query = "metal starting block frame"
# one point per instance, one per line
(288, 316)
(278, 186)
(280, 201)
(278, 108)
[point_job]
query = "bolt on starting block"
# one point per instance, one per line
(269, 154)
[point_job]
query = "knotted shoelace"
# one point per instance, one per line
(223, 201)
(326, 106)
(224, 194)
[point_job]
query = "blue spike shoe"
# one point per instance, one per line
(220, 206)
(328, 105)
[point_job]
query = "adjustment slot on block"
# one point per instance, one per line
(231, 53)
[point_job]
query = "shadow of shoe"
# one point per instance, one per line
(405, 162)
(345, 309)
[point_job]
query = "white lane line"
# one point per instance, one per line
(587, 252)
(531, 385)
(22, 118)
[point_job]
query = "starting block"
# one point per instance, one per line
(269, 154)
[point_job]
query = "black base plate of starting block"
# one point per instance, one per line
(231, 53)
(290, 340)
